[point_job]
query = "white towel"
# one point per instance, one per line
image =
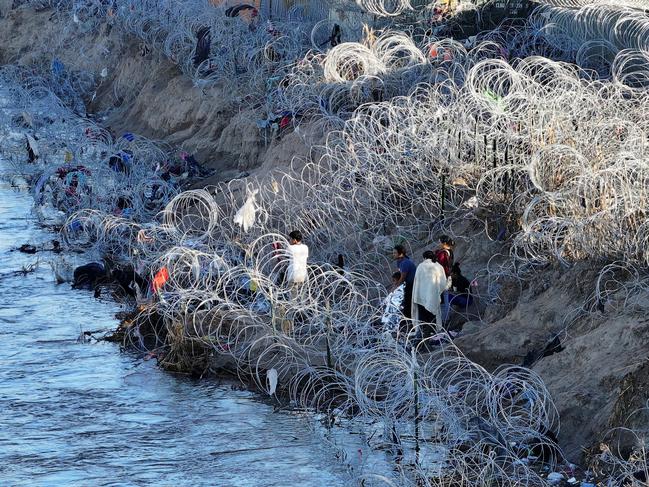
(430, 283)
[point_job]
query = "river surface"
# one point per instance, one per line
(78, 412)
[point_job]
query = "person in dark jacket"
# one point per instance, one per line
(444, 254)
(407, 269)
(460, 295)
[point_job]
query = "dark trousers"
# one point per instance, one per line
(405, 324)
(462, 300)
(425, 315)
(427, 321)
(407, 301)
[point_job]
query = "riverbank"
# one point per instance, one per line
(223, 302)
(75, 410)
(149, 95)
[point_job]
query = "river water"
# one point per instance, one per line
(78, 412)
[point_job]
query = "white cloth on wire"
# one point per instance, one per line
(33, 145)
(246, 215)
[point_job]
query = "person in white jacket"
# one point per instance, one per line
(430, 283)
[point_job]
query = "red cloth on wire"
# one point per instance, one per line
(160, 279)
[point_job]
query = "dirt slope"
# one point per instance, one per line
(153, 98)
(598, 379)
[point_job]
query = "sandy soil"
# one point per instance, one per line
(153, 97)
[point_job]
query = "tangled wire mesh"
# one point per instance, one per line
(425, 135)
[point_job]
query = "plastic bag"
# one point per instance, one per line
(246, 215)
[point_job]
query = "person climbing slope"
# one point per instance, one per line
(444, 253)
(299, 255)
(460, 295)
(295, 276)
(445, 258)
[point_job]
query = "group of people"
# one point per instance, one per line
(422, 295)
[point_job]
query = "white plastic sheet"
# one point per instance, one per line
(246, 215)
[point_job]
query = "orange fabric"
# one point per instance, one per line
(159, 280)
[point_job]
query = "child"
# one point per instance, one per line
(460, 295)
(392, 304)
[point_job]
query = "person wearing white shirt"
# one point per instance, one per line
(296, 273)
(297, 268)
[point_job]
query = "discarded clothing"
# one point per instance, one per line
(160, 279)
(245, 216)
(58, 68)
(203, 46)
(63, 171)
(233, 12)
(120, 162)
(192, 165)
(32, 148)
(88, 275)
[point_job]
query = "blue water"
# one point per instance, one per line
(81, 413)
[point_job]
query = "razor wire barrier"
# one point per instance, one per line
(481, 109)
(242, 51)
(227, 295)
(252, 55)
(543, 154)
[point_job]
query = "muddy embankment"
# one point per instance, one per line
(145, 93)
(594, 363)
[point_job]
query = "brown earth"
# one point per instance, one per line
(599, 379)
(153, 98)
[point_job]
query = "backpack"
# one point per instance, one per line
(445, 259)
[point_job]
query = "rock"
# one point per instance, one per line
(27, 249)
(471, 327)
